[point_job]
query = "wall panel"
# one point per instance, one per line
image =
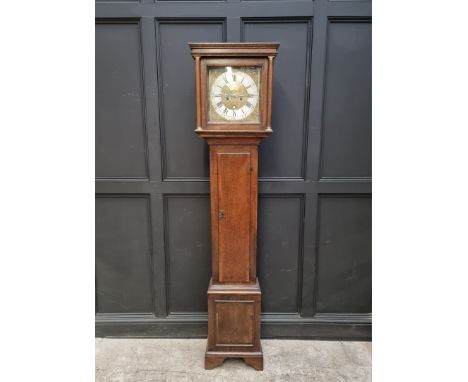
(123, 255)
(344, 272)
(188, 247)
(279, 252)
(346, 143)
(120, 122)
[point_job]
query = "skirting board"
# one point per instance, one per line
(321, 326)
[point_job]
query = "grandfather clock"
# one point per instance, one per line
(233, 101)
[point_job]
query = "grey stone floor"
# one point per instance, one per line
(141, 360)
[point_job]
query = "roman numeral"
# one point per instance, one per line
(225, 111)
(219, 104)
(249, 105)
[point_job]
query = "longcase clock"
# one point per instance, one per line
(233, 102)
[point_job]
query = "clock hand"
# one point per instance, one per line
(233, 95)
(237, 95)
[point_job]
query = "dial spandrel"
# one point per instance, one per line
(234, 94)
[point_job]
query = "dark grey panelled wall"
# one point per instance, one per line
(152, 187)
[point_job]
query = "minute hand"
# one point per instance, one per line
(237, 95)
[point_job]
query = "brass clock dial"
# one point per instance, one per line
(234, 94)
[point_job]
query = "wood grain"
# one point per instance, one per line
(233, 214)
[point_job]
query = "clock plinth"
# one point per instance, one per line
(233, 99)
(234, 324)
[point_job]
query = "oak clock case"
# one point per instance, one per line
(233, 101)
